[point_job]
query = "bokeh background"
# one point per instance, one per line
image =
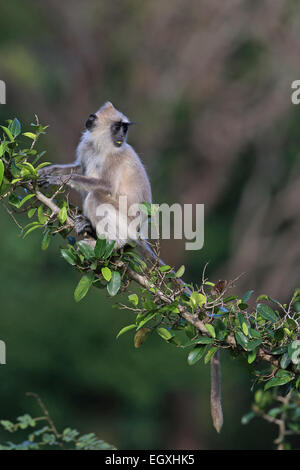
(209, 84)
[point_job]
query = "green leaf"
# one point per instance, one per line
(210, 329)
(244, 324)
(279, 379)
(25, 199)
(197, 299)
(164, 333)
(170, 275)
(245, 328)
(133, 298)
(125, 329)
(180, 271)
(42, 218)
(106, 273)
(15, 127)
(204, 340)
(70, 256)
(146, 319)
(31, 212)
(210, 354)
(230, 298)
(8, 133)
(62, 216)
(195, 355)
(220, 328)
(83, 286)
(8, 425)
(42, 165)
(86, 250)
(190, 330)
(46, 240)
(253, 344)
(266, 312)
(1, 171)
(16, 202)
(279, 350)
(251, 357)
(254, 333)
(201, 340)
(32, 228)
(114, 284)
(30, 135)
(100, 247)
(109, 249)
(165, 268)
(247, 296)
(248, 417)
(2, 149)
(241, 339)
(274, 412)
(29, 169)
(242, 306)
(285, 361)
(294, 352)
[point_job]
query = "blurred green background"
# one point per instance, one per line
(209, 84)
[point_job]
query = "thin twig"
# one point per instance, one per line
(46, 413)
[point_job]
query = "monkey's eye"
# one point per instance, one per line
(125, 126)
(116, 126)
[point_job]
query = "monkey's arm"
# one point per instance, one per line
(68, 168)
(78, 182)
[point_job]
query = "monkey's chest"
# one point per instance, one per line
(93, 168)
(107, 169)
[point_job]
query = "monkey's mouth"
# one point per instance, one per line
(118, 143)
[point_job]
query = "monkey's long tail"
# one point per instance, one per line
(216, 392)
(215, 365)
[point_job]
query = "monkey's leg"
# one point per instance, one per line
(215, 392)
(106, 218)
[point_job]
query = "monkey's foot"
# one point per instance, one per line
(83, 225)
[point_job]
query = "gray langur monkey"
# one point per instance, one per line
(105, 169)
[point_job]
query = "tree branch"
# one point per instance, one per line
(144, 282)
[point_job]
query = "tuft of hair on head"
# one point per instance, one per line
(108, 113)
(107, 105)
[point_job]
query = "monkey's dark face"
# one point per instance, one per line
(119, 132)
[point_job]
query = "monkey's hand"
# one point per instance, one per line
(45, 180)
(46, 170)
(83, 225)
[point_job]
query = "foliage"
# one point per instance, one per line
(47, 436)
(200, 319)
(283, 410)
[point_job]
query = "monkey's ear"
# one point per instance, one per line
(90, 122)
